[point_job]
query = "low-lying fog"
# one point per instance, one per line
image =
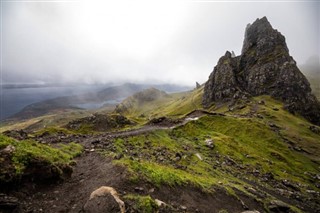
(15, 99)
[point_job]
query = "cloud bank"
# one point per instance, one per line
(139, 41)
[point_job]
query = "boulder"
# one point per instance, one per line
(209, 143)
(104, 203)
(160, 203)
(104, 199)
(9, 149)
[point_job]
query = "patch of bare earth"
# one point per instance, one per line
(93, 170)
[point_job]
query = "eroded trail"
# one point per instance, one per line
(91, 171)
(161, 125)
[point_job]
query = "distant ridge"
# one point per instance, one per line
(75, 101)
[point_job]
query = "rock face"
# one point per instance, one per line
(263, 68)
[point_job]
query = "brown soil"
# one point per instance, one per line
(93, 170)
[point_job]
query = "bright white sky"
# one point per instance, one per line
(159, 41)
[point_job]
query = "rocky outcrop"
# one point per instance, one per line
(264, 67)
(99, 122)
(223, 84)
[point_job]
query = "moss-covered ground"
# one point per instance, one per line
(21, 153)
(143, 204)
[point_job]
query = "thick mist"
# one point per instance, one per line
(64, 42)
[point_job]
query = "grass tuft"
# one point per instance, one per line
(143, 204)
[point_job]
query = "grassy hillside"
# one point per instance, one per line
(257, 144)
(58, 119)
(37, 123)
(273, 151)
(173, 105)
(252, 148)
(143, 103)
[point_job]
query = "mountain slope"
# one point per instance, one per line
(174, 105)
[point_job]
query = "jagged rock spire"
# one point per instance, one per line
(263, 68)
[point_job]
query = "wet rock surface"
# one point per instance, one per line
(264, 67)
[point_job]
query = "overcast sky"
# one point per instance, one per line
(159, 41)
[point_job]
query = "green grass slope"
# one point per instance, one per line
(142, 108)
(257, 144)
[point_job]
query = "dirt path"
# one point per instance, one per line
(91, 172)
(194, 115)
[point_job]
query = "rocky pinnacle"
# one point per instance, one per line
(264, 67)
